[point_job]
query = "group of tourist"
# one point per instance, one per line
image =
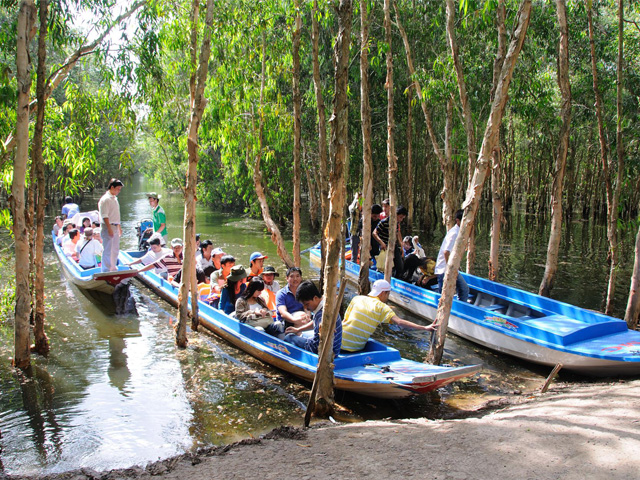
(293, 313)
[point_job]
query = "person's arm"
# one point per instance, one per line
(163, 229)
(407, 324)
(301, 328)
(284, 313)
(446, 256)
(383, 246)
(243, 312)
(109, 226)
(399, 236)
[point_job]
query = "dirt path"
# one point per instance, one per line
(584, 432)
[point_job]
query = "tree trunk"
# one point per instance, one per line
(612, 197)
(322, 131)
(276, 236)
(367, 160)
(391, 152)
(297, 129)
(26, 21)
(448, 191)
(41, 344)
(555, 235)
(339, 133)
(313, 189)
(633, 304)
(59, 75)
(474, 191)
(409, 174)
(189, 232)
(496, 158)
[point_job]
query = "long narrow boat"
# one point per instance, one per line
(97, 285)
(525, 325)
(377, 371)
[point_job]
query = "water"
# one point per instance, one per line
(116, 392)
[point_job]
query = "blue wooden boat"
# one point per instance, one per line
(97, 285)
(525, 325)
(377, 371)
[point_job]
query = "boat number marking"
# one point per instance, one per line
(501, 322)
(280, 348)
(617, 348)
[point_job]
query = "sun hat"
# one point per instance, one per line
(217, 251)
(153, 195)
(237, 273)
(256, 256)
(176, 242)
(379, 286)
(88, 232)
(269, 269)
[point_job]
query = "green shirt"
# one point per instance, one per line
(159, 218)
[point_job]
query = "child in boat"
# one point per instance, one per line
(251, 308)
(233, 288)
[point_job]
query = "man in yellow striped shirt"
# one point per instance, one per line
(365, 313)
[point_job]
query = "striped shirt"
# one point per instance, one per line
(361, 319)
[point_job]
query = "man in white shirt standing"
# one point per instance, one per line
(443, 257)
(110, 228)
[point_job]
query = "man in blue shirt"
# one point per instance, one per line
(69, 209)
(288, 309)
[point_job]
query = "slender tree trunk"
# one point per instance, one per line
(474, 191)
(193, 50)
(555, 235)
(409, 174)
(339, 133)
(41, 345)
(26, 21)
(313, 188)
(612, 196)
(59, 75)
(367, 160)
(633, 304)
(276, 236)
(448, 191)
(391, 152)
(322, 132)
(297, 129)
(496, 200)
(189, 232)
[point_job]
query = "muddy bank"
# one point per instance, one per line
(588, 431)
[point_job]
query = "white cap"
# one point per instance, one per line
(379, 286)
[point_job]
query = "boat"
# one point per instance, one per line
(107, 289)
(524, 325)
(378, 370)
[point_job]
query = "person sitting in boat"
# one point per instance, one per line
(204, 287)
(97, 234)
(256, 262)
(69, 247)
(205, 259)
(88, 250)
(219, 278)
(86, 223)
(216, 257)
(152, 258)
(158, 216)
(69, 209)
(289, 310)
(173, 261)
(271, 287)
(313, 302)
(232, 289)
(63, 235)
(58, 225)
(411, 261)
(250, 307)
(443, 257)
(366, 312)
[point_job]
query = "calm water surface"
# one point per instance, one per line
(116, 392)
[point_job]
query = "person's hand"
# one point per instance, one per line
(383, 246)
(291, 330)
(110, 231)
(429, 328)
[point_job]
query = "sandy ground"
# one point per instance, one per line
(579, 432)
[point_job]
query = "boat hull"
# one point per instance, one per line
(615, 352)
(377, 371)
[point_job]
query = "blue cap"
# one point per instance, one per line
(256, 256)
